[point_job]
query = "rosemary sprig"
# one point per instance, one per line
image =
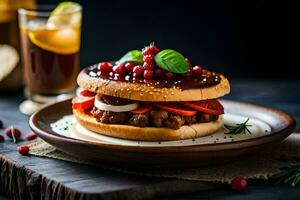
(239, 128)
(290, 174)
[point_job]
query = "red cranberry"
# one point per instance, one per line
(1, 124)
(284, 157)
(23, 150)
(111, 74)
(129, 67)
(147, 66)
(119, 69)
(127, 77)
(150, 50)
(148, 59)
(118, 77)
(105, 66)
(9, 131)
(1, 138)
(159, 72)
(197, 70)
(137, 71)
(31, 136)
(169, 74)
(148, 74)
(239, 184)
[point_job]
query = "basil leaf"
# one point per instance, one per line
(135, 56)
(172, 61)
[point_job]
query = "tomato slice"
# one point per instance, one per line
(86, 93)
(176, 108)
(143, 108)
(209, 106)
(83, 103)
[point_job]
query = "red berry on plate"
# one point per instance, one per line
(23, 150)
(148, 74)
(239, 184)
(147, 66)
(148, 59)
(31, 136)
(129, 67)
(150, 50)
(197, 70)
(137, 71)
(105, 66)
(119, 69)
(11, 130)
(1, 138)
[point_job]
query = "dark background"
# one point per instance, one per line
(238, 38)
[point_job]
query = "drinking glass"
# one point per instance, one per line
(50, 45)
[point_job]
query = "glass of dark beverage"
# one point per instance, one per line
(50, 44)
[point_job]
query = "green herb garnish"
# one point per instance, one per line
(134, 56)
(239, 128)
(172, 61)
(289, 174)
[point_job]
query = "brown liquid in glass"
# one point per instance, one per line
(48, 72)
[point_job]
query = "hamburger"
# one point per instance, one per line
(150, 95)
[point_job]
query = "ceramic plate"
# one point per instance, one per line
(56, 125)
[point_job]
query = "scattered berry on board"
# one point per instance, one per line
(23, 150)
(239, 184)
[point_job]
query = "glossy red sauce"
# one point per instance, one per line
(207, 79)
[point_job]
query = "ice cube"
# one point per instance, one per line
(36, 24)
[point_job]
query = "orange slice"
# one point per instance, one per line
(61, 41)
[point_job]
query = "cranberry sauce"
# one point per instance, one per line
(183, 82)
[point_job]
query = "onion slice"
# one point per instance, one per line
(107, 107)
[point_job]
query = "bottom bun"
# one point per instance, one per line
(148, 133)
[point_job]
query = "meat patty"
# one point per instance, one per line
(174, 121)
(155, 118)
(158, 117)
(139, 120)
(207, 117)
(108, 117)
(118, 117)
(96, 113)
(190, 120)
